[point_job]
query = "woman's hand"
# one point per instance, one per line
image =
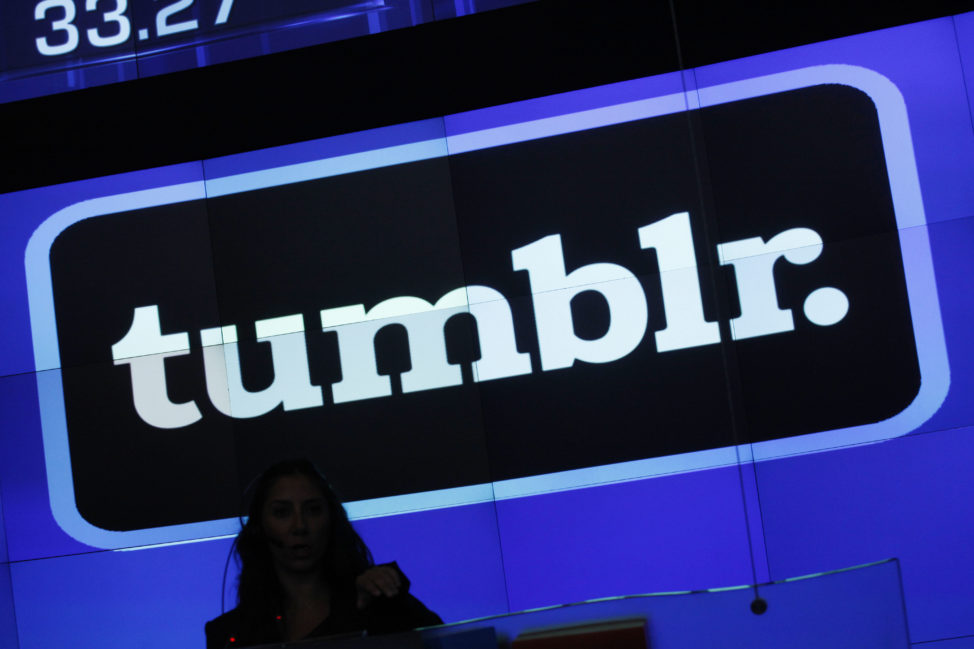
(377, 581)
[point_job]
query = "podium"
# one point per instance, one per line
(854, 608)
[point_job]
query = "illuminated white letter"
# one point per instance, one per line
(753, 262)
(552, 291)
(289, 354)
(144, 349)
(682, 303)
(424, 323)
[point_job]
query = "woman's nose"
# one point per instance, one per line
(299, 524)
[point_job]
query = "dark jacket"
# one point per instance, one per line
(383, 615)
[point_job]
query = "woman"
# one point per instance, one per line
(305, 572)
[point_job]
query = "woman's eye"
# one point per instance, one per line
(279, 512)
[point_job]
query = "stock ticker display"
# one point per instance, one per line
(51, 46)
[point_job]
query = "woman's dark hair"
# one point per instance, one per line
(259, 594)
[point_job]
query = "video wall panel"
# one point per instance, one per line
(964, 28)
(686, 331)
(841, 505)
(8, 619)
(119, 597)
(905, 498)
(671, 532)
(7, 613)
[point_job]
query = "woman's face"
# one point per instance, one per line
(296, 523)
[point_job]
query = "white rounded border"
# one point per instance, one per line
(915, 247)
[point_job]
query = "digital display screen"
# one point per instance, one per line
(695, 329)
(57, 45)
(401, 279)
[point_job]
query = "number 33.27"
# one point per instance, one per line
(66, 35)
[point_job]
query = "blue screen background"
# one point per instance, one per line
(908, 497)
